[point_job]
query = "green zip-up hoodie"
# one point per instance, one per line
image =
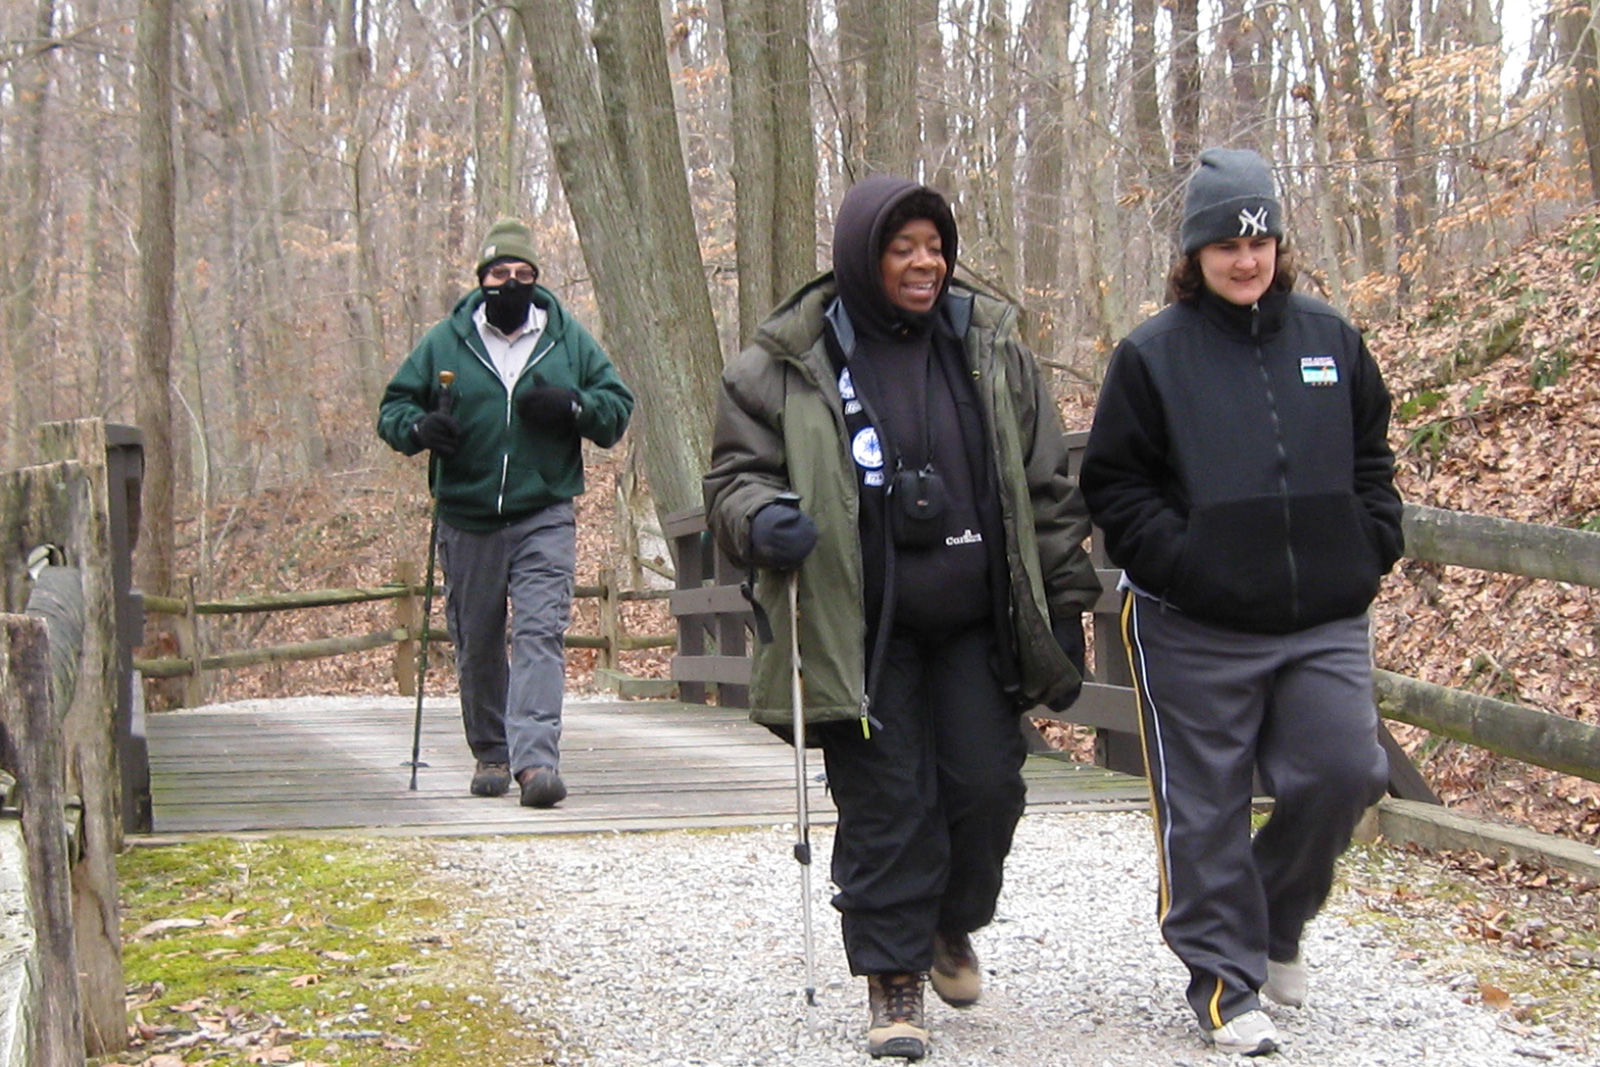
(781, 426)
(505, 469)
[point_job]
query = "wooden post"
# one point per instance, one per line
(407, 612)
(66, 503)
(194, 689)
(31, 748)
(610, 626)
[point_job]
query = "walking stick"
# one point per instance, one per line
(447, 401)
(802, 845)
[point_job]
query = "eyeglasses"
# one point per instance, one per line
(506, 271)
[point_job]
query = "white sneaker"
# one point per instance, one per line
(1250, 1034)
(1286, 982)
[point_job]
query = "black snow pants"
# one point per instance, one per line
(928, 804)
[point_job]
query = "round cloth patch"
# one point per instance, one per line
(867, 450)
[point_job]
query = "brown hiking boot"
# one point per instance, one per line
(955, 975)
(896, 1028)
(491, 779)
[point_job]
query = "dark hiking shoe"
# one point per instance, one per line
(542, 787)
(491, 779)
(955, 975)
(897, 1028)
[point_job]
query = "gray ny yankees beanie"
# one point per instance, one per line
(1230, 195)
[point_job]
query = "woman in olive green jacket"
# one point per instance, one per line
(938, 543)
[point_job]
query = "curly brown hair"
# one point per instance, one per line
(1185, 281)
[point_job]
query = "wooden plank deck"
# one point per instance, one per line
(320, 764)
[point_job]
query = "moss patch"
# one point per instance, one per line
(305, 951)
(1521, 940)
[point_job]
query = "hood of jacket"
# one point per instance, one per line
(858, 242)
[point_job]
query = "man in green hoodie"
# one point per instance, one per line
(530, 384)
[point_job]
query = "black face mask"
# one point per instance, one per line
(506, 305)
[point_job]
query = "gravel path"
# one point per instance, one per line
(685, 948)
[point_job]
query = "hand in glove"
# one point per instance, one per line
(1069, 635)
(438, 432)
(549, 409)
(781, 537)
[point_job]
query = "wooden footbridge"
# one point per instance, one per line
(78, 749)
(343, 762)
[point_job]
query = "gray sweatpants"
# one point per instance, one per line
(511, 709)
(1216, 705)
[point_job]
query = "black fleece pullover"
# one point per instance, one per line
(1239, 464)
(907, 371)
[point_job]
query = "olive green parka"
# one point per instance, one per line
(781, 427)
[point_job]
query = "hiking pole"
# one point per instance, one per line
(802, 844)
(447, 401)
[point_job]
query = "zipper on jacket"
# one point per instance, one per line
(1283, 465)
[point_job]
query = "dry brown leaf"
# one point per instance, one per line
(300, 981)
(1493, 996)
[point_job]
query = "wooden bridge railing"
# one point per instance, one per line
(195, 659)
(713, 620)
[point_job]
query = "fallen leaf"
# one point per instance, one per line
(1495, 997)
(192, 1005)
(394, 1044)
(335, 954)
(161, 926)
(303, 980)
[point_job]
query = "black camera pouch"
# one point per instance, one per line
(916, 507)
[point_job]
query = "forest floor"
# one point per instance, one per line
(1496, 383)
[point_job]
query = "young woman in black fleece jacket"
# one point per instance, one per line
(1240, 471)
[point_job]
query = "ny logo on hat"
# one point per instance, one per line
(1252, 223)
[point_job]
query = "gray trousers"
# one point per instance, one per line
(511, 708)
(1215, 706)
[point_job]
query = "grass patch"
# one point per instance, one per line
(304, 951)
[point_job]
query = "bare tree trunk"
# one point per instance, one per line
(1332, 205)
(664, 342)
(1241, 38)
(1151, 141)
(879, 38)
(1046, 30)
(939, 152)
(361, 175)
(1351, 84)
(774, 170)
(1576, 28)
(1185, 117)
(25, 398)
(157, 255)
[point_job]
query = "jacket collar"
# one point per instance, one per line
(954, 315)
(1264, 319)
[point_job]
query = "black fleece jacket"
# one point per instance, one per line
(1239, 463)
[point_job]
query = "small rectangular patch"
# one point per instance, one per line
(1319, 370)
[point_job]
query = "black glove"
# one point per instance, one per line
(1069, 635)
(439, 432)
(549, 409)
(781, 537)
